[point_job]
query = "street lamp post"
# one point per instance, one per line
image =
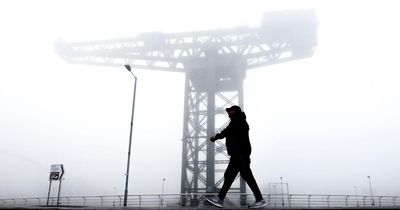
(162, 191)
(130, 139)
(370, 189)
(283, 200)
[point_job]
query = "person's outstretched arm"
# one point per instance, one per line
(222, 134)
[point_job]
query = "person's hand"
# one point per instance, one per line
(212, 138)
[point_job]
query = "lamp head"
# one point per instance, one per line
(128, 67)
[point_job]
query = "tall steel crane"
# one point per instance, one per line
(215, 64)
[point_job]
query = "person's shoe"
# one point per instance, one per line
(214, 200)
(258, 204)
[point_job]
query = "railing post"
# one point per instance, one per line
(394, 201)
(160, 201)
(379, 200)
(140, 201)
(38, 200)
(347, 197)
(372, 201)
(364, 197)
(101, 201)
(120, 200)
(290, 200)
(309, 200)
(84, 200)
(328, 199)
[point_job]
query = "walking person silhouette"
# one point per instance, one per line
(239, 150)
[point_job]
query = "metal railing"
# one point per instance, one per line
(197, 200)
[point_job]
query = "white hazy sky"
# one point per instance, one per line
(323, 123)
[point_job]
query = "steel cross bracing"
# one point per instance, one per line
(170, 52)
(215, 64)
(282, 37)
(195, 137)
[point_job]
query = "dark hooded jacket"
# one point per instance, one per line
(237, 136)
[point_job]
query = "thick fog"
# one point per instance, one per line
(322, 123)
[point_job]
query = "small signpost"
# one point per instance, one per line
(56, 174)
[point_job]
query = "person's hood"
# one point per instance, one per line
(240, 116)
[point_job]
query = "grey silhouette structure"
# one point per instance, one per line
(214, 63)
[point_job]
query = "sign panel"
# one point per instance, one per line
(56, 171)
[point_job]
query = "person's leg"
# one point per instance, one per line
(230, 174)
(247, 175)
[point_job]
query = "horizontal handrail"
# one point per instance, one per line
(197, 200)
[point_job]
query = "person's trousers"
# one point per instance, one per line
(239, 164)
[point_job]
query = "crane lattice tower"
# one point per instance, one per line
(215, 64)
